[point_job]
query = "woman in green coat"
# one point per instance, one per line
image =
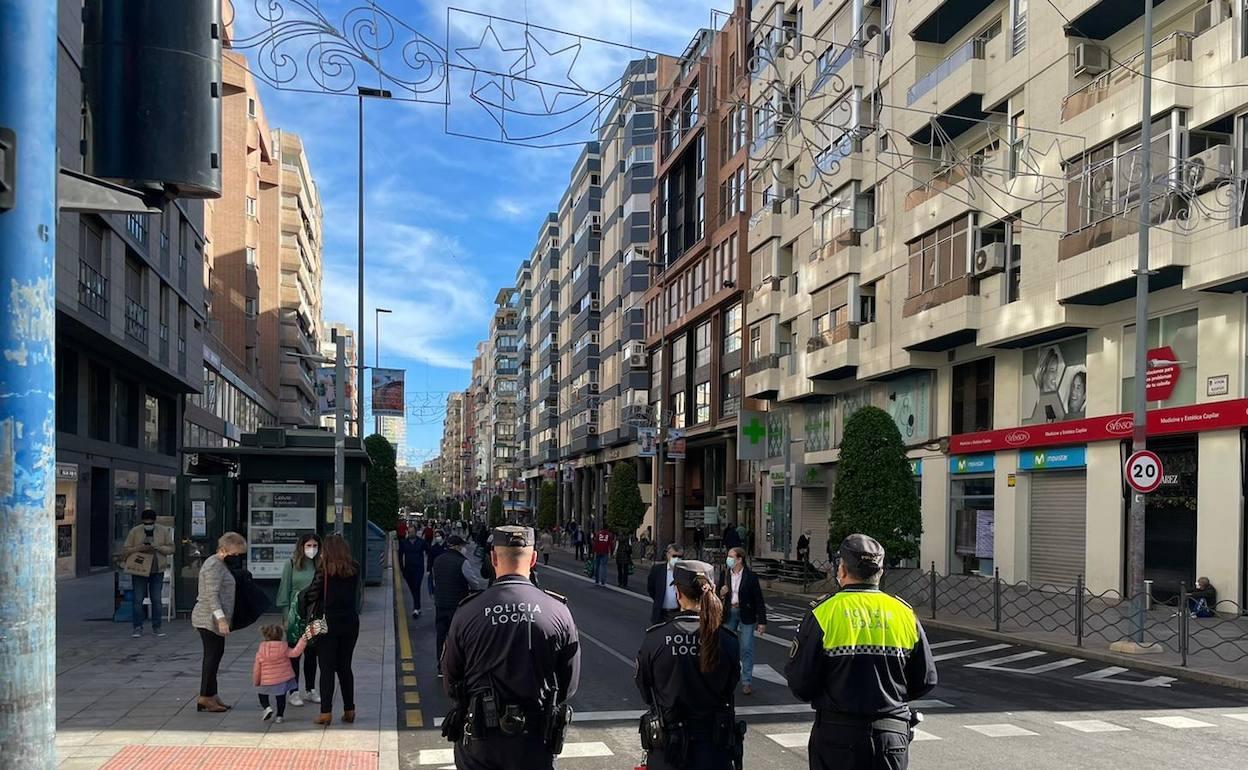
(296, 577)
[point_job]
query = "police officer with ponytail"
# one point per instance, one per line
(687, 672)
(859, 658)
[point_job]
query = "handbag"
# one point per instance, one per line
(139, 564)
(320, 625)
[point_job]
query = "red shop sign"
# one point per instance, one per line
(1159, 381)
(1217, 415)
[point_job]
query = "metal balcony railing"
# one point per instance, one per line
(136, 321)
(92, 289)
(1176, 46)
(971, 50)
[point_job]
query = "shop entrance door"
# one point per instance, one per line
(1170, 520)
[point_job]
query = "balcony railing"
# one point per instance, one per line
(971, 50)
(763, 363)
(136, 225)
(92, 289)
(1176, 46)
(136, 321)
(944, 179)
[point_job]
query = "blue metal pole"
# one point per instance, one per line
(27, 390)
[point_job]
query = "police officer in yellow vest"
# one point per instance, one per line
(859, 657)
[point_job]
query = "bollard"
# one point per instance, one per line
(1079, 610)
(996, 598)
(1185, 623)
(933, 589)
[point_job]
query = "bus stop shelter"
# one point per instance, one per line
(276, 485)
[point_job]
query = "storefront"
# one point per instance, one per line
(66, 519)
(1170, 517)
(972, 508)
(1057, 506)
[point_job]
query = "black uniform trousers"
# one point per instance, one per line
(849, 747)
(442, 623)
(703, 755)
(505, 752)
(333, 652)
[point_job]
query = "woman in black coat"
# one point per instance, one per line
(337, 596)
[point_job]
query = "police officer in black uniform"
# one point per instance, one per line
(454, 577)
(687, 672)
(511, 662)
(859, 657)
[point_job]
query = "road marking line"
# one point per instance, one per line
(923, 735)
(1178, 723)
(951, 643)
(791, 740)
(411, 698)
(608, 649)
(969, 653)
(769, 674)
(414, 718)
(1240, 717)
(1093, 726)
(435, 756)
(409, 681)
(1003, 730)
(586, 749)
(407, 666)
(1108, 674)
(400, 609)
(999, 664)
(930, 703)
(605, 716)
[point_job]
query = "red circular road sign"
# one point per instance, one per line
(1143, 471)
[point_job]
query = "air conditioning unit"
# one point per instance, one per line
(595, 304)
(989, 259)
(593, 387)
(593, 430)
(1213, 14)
(1090, 59)
(1206, 169)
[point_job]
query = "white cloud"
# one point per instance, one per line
(510, 208)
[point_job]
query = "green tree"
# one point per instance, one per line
(625, 509)
(496, 512)
(546, 505)
(418, 490)
(383, 485)
(875, 493)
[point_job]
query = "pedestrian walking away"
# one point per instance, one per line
(603, 541)
(212, 613)
(412, 552)
(742, 594)
(454, 577)
(297, 575)
(687, 673)
(271, 672)
(623, 561)
(146, 555)
(859, 657)
(511, 662)
(545, 543)
(334, 601)
(663, 594)
(578, 541)
(437, 547)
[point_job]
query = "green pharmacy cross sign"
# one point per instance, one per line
(755, 431)
(752, 435)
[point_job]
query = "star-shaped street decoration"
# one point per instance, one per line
(491, 66)
(545, 70)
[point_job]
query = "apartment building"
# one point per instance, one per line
(694, 316)
(958, 249)
(129, 341)
(240, 371)
(458, 479)
(394, 430)
(299, 275)
(329, 349)
(541, 350)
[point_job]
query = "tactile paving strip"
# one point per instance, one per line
(215, 758)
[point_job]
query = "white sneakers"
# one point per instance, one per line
(294, 699)
(268, 713)
(312, 696)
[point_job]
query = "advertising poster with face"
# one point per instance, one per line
(277, 514)
(1055, 382)
(907, 401)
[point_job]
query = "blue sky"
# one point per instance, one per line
(449, 218)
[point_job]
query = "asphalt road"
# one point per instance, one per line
(998, 706)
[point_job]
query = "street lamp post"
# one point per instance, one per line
(377, 311)
(374, 93)
(340, 423)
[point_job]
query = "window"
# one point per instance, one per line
(251, 107)
(730, 392)
(250, 307)
(702, 403)
(1018, 26)
(702, 345)
(756, 342)
(678, 410)
(972, 396)
(701, 231)
(1178, 331)
(732, 329)
(741, 189)
(1018, 126)
(251, 257)
(126, 402)
(251, 207)
(678, 357)
(701, 155)
(66, 391)
(939, 256)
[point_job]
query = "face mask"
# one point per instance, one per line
(310, 551)
(437, 541)
(731, 561)
(149, 528)
(671, 562)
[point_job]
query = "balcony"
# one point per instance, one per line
(763, 376)
(797, 385)
(1101, 19)
(833, 355)
(1124, 78)
(954, 89)
(1101, 272)
(938, 21)
(941, 318)
(764, 300)
(92, 290)
(766, 223)
(837, 258)
(136, 321)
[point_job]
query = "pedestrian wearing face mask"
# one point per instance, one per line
(156, 542)
(296, 577)
(659, 585)
(746, 610)
(437, 547)
(214, 607)
(454, 577)
(412, 552)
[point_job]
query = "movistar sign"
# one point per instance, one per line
(972, 464)
(1052, 459)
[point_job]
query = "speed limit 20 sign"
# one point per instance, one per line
(1144, 471)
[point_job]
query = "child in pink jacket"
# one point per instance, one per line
(272, 671)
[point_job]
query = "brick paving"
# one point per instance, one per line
(126, 704)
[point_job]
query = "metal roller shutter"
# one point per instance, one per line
(1059, 504)
(814, 517)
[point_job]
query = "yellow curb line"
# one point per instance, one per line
(412, 717)
(415, 718)
(411, 698)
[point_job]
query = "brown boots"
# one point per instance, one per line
(212, 705)
(348, 716)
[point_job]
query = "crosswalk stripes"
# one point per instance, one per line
(1240, 717)
(968, 653)
(1092, 726)
(1178, 722)
(570, 751)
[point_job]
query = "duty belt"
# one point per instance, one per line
(883, 724)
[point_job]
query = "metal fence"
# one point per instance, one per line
(992, 603)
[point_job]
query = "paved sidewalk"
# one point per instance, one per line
(129, 704)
